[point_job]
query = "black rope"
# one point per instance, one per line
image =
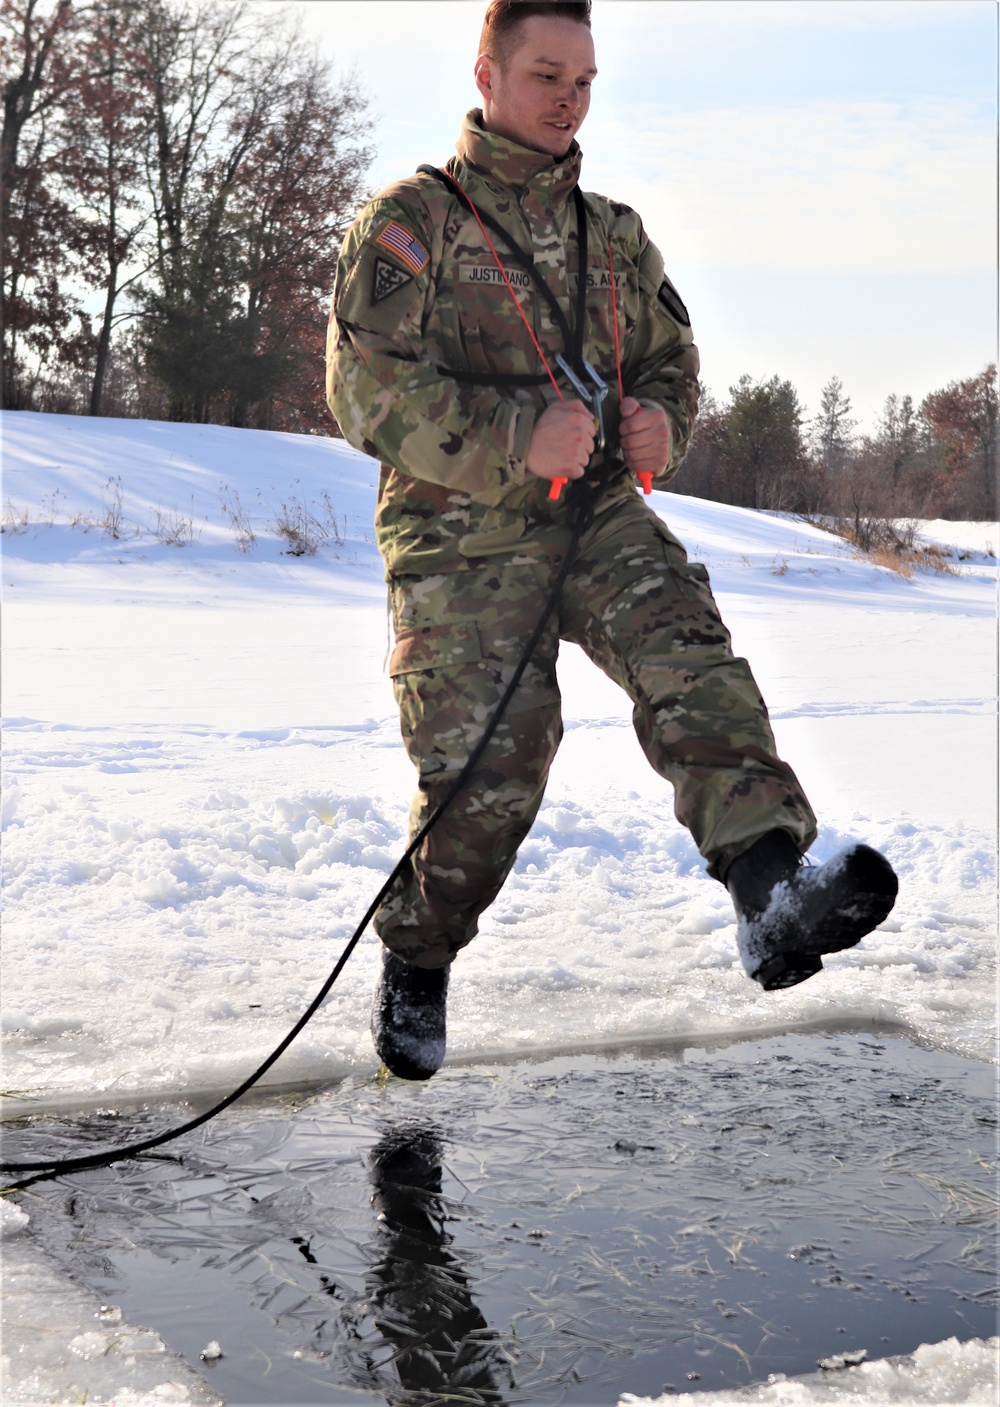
(581, 501)
(55, 1167)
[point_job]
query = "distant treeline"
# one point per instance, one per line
(935, 460)
(192, 163)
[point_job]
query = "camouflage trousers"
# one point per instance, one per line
(644, 615)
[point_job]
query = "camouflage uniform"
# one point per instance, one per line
(472, 542)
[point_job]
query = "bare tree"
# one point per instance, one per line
(963, 423)
(39, 234)
(299, 185)
(701, 475)
(108, 121)
(255, 171)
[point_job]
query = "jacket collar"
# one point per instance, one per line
(507, 163)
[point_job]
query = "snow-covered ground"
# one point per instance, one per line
(204, 785)
(204, 782)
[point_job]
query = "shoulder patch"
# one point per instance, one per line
(671, 300)
(405, 246)
(386, 278)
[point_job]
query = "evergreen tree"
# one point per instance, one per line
(763, 449)
(833, 427)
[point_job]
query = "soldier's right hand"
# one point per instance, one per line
(562, 441)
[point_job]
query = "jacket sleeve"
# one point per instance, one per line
(662, 365)
(387, 394)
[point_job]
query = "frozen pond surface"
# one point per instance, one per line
(553, 1232)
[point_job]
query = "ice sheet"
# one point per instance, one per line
(62, 1346)
(933, 1375)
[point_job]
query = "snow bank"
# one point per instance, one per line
(963, 541)
(934, 1374)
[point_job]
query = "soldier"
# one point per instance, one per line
(474, 309)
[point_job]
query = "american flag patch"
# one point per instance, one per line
(397, 238)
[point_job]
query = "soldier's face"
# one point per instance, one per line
(541, 96)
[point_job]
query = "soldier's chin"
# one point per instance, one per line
(554, 142)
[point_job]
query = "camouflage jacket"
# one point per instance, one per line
(419, 300)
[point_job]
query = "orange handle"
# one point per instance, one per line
(646, 479)
(556, 488)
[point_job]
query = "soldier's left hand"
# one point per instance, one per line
(646, 436)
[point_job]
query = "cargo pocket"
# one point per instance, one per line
(432, 647)
(675, 549)
(689, 580)
(443, 689)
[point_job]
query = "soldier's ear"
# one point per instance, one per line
(484, 72)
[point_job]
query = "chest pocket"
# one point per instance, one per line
(488, 327)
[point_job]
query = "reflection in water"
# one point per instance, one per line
(418, 1290)
(629, 1273)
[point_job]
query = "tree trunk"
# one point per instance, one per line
(104, 343)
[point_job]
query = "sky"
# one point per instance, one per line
(820, 175)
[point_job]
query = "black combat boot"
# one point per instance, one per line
(790, 914)
(408, 1017)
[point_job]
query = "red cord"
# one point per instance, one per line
(517, 301)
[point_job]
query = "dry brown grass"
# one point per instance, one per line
(887, 543)
(894, 561)
(906, 560)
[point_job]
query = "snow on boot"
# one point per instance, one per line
(408, 1017)
(790, 914)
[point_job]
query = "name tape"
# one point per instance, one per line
(489, 273)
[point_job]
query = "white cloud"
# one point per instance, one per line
(833, 186)
(672, 17)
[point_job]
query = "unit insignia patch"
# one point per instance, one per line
(387, 278)
(671, 300)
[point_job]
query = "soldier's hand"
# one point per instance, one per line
(646, 436)
(562, 441)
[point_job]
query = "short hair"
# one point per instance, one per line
(505, 17)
